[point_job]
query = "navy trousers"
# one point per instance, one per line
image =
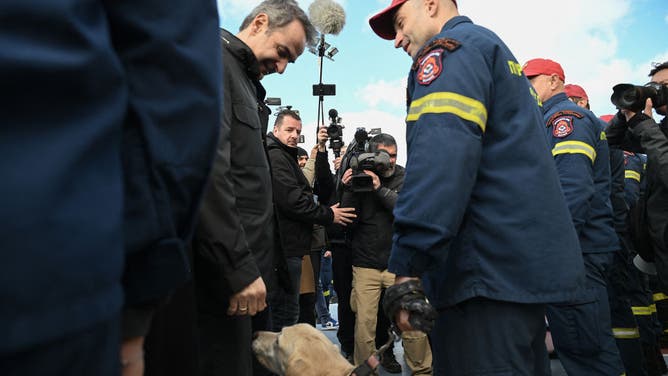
(92, 351)
(582, 330)
(487, 337)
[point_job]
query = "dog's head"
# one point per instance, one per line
(299, 350)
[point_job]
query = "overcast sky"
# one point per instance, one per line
(598, 43)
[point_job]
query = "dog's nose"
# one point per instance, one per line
(255, 335)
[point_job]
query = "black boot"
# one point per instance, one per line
(389, 362)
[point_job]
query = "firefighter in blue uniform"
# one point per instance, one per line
(643, 306)
(581, 155)
(488, 261)
(110, 114)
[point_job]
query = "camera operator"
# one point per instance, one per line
(371, 241)
(634, 129)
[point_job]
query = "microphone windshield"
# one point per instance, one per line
(327, 16)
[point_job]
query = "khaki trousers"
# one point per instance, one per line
(364, 300)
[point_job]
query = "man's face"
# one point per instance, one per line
(302, 159)
(409, 23)
(392, 151)
(276, 48)
(288, 131)
(661, 77)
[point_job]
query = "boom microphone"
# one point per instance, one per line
(327, 16)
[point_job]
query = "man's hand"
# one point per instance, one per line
(132, 356)
(628, 114)
(314, 152)
(343, 216)
(327, 254)
(374, 178)
(347, 176)
(337, 163)
(322, 139)
(249, 301)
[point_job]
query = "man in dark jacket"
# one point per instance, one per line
(233, 248)
(297, 211)
(114, 161)
(638, 132)
(371, 242)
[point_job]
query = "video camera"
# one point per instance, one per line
(335, 132)
(632, 97)
(362, 158)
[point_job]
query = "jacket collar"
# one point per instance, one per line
(242, 52)
(274, 143)
(552, 101)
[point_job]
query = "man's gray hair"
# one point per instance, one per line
(281, 13)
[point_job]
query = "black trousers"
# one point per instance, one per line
(342, 272)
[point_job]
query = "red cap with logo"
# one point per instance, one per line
(577, 91)
(536, 67)
(382, 23)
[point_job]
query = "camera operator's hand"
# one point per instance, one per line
(347, 176)
(322, 139)
(374, 178)
(343, 216)
(337, 163)
(314, 152)
(633, 118)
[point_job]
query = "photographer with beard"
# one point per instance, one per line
(636, 131)
(371, 240)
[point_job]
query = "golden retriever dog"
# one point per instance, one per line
(300, 350)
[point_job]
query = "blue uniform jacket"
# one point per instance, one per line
(582, 157)
(481, 212)
(110, 114)
(634, 176)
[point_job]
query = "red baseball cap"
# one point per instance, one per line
(382, 23)
(606, 118)
(577, 91)
(535, 67)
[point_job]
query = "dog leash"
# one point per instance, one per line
(369, 366)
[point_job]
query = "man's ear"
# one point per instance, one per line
(431, 6)
(260, 24)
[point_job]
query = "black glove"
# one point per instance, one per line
(410, 297)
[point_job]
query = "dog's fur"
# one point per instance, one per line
(300, 350)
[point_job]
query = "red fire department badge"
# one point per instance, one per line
(562, 126)
(430, 67)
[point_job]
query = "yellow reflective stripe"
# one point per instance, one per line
(452, 103)
(641, 311)
(659, 296)
(652, 308)
(630, 174)
(626, 333)
(603, 136)
(574, 147)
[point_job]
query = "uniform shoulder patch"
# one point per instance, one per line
(562, 122)
(430, 67)
(564, 113)
(562, 126)
(446, 44)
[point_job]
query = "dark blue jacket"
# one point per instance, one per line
(582, 157)
(481, 212)
(634, 176)
(95, 94)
